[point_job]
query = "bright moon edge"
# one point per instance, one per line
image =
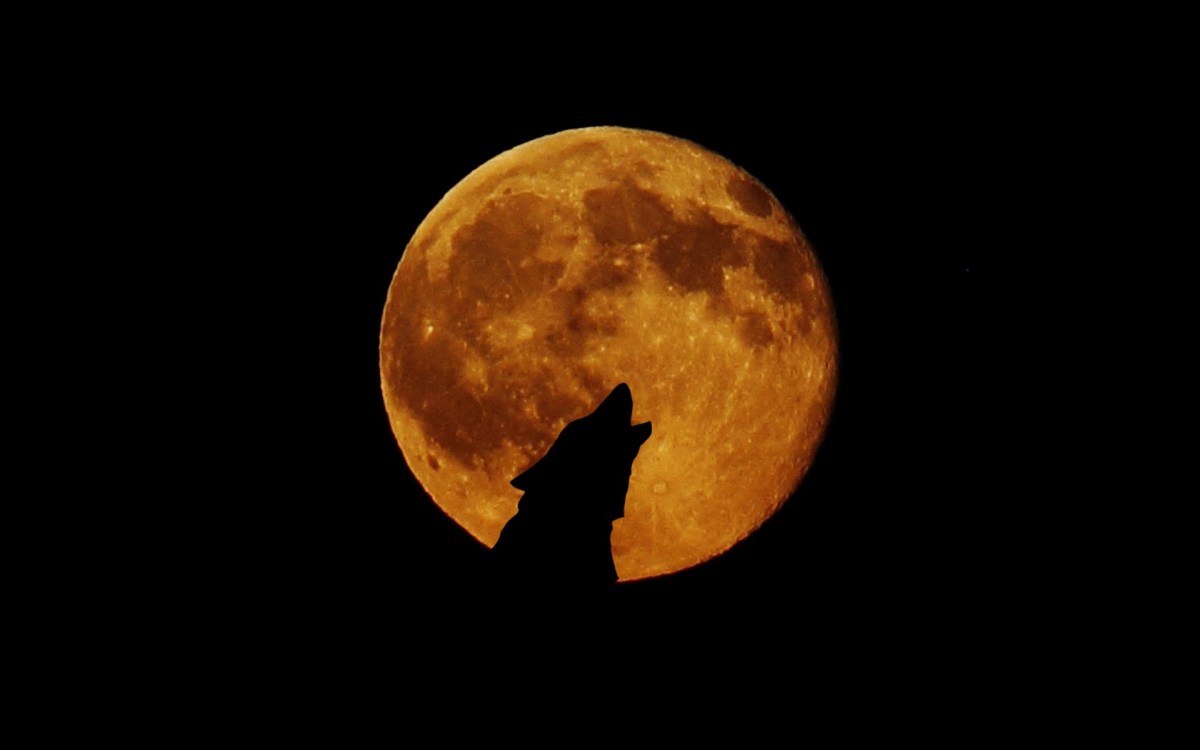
(596, 256)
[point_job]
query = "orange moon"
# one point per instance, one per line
(592, 257)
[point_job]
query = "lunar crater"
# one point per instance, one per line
(749, 196)
(624, 214)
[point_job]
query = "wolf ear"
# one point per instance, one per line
(639, 433)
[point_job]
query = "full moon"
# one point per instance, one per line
(592, 257)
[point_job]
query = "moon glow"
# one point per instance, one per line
(598, 256)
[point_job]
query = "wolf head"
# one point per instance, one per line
(595, 451)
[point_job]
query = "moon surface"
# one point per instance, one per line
(592, 257)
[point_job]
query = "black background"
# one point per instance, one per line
(310, 185)
(224, 200)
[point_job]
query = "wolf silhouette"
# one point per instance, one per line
(559, 540)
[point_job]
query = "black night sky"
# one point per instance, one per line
(242, 190)
(901, 530)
